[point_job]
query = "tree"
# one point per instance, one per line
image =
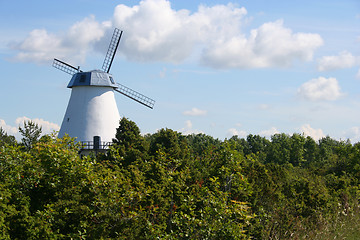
(170, 142)
(297, 149)
(200, 142)
(257, 145)
(128, 142)
(128, 134)
(31, 133)
(180, 187)
(5, 138)
(311, 151)
(279, 149)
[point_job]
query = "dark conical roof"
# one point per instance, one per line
(92, 78)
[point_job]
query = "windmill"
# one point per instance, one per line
(92, 112)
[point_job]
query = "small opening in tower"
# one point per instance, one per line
(68, 119)
(82, 78)
(112, 80)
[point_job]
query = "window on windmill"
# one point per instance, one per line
(82, 78)
(112, 80)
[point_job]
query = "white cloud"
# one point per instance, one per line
(47, 127)
(188, 129)
(41, 46)
(156, 32)
(320, 89)
(234, 132)
(343, 60)
(316, 134)
(271, 45)
(269, 132)
(10, 130)
(153, 31)
(195, 112)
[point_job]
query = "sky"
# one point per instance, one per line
(216, 67)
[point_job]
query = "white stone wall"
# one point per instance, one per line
(92, 111)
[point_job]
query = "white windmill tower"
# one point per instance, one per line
(92, 112)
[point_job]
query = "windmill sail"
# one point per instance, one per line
(65, 67)
(140, 98)
(114, 43)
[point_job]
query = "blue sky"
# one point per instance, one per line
(216, 67)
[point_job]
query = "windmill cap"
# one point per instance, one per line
(92, 78)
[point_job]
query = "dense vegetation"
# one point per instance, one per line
(170, 186)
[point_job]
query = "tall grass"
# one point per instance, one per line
(346, 225)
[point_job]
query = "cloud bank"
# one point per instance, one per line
(10, 130)
(269, 132)
(271, 45)
(154, 31)
(40, 46)
(341, 61)
(47, 127)
(316, 134)
(235, 132)
(319, 89)
(188, 129)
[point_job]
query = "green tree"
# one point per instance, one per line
(170, 186)
(200, 142)
(170, 142)
(311, 151)
(256, 144)
(30, 133)
(128, 135)
(297, 149)
(5, 138)
(129, 145)
(279, 149)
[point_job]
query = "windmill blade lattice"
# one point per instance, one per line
(140, 98)
(65, 67)
(114, 43)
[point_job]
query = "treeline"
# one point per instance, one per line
(170, 186)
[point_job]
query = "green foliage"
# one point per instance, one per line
(30, 133)
(6, 139)
(169, 186)
(129, 145)
(170, 142)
